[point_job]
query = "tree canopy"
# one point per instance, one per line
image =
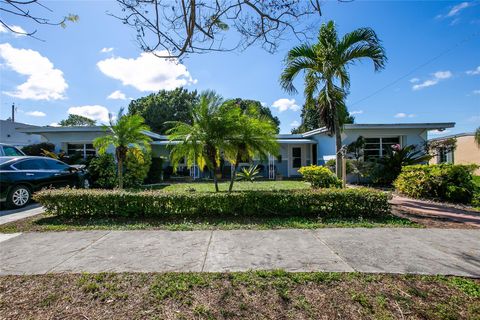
(171, 29)
(263, 111)
(311, 119)
(163, 106)
(75, 120)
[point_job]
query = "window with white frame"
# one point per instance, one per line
(85, 150)
(377, 147)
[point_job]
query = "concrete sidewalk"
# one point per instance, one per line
(401, 250)
(7, 216)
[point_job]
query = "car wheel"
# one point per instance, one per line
(19, 197)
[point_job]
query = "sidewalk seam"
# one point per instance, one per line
(331, 250)
(206, 251)
(77, 252)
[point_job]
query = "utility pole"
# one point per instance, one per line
(13, 112)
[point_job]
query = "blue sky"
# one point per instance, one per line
(433, 72)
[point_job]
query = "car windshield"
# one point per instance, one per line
(12, 151)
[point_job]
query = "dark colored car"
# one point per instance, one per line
(20, 177)
(10, 151)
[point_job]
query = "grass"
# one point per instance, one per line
(238, 186)
(42, 223)
(240, 295)
(476, 180)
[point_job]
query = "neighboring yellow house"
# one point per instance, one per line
(467, 151)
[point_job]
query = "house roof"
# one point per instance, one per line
(48, 129)
(457, 135)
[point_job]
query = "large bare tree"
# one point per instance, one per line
(174, 28)
(31, 10)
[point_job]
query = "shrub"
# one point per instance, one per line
(155, 172)
(446, 182)
(320, 177)
(36, 149)
(325, 203)
(136, 170)
(349, 165)
(103, 171)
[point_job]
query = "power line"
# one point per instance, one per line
(458, 44)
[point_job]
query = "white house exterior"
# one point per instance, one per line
(10, 134)
(296, 150)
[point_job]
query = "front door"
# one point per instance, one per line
(297, 159)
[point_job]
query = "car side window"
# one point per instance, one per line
(56, 165)
(11, 151)
(32, 164)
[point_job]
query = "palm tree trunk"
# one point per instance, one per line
(232, 178)
(215, 178)
(120, 173)
(338, 144)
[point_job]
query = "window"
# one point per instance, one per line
(83, 149)
(296, 157)
(442, 155)
(34, 164)
(56, 165)
(11, 151)
(314, 154)
(377, 147)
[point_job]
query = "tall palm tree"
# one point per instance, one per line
(125, 134)
(202, 141)
(477, 136)
(253, 135)
(325, 66)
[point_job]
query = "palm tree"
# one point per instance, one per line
(477, 136)
(202, 141)
(325, 65)
(252, 135)
(125, 134)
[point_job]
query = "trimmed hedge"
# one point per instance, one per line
(337, 203)
(320, 177)
(445, 182)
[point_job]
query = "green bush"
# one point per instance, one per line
(103, 171)
(155, 172)
(325, 203)
(320, 177)
(349, 165)
(136, 170)
(446, 182)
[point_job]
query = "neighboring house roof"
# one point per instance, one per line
(47, 129)
(457, 135)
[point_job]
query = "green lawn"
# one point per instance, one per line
(238, 186)
(476, 179)
(239, 295)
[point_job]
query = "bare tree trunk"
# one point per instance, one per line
(232, 178)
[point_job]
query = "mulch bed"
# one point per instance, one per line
(251, 295)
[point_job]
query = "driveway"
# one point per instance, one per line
(381, 250)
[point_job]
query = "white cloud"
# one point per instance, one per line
(286, 104)
(459, 7)
(404, 115)
(455, 10)
(414, 80)
(437, 76)
(117, 95)
(44, 82)
(474, 72)
(18, 31)
(356, 112)
(295, 123)
(54, 124)
(147, 72)
(35, 113)
(106, 50)
(476, 91)
(95, 112)
(437, 132)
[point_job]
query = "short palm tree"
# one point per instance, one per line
(125, 134)
(252, 135)
(325, 65)
(202, 141)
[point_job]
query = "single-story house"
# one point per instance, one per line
(296, 150)
(9, 134)
(466, 150)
